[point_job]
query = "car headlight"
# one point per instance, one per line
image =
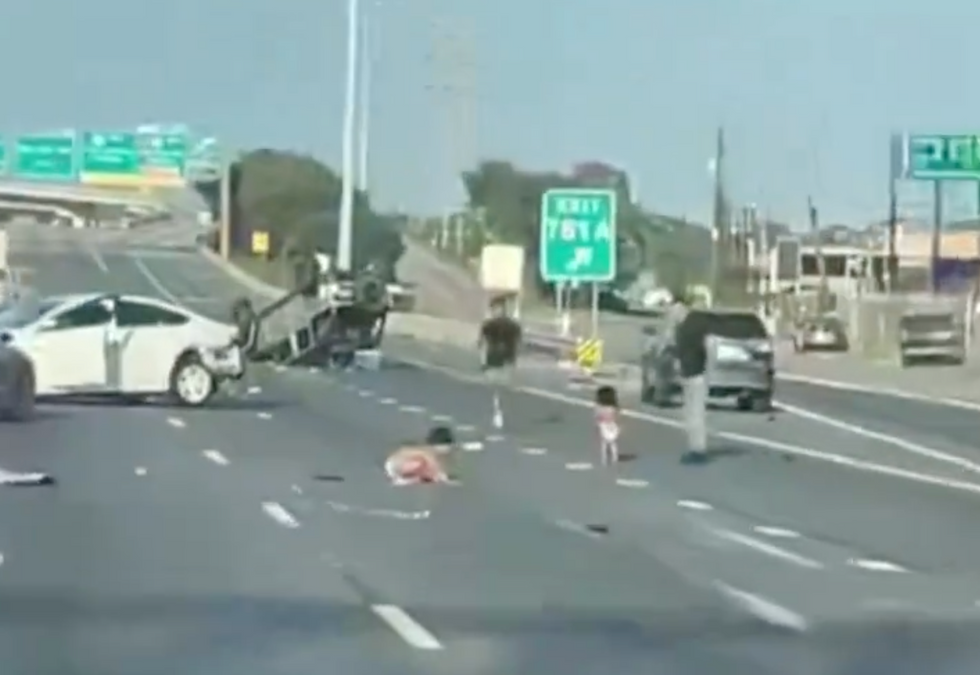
(732, 353)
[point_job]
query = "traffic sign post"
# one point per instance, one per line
(938, 158)
(578, 239)
(46, 156)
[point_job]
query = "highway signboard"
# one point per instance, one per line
(134, 158)
(941, 156)
(47, 156)
(578, 235)
(164, 157)
(109, 157)
(4, 156)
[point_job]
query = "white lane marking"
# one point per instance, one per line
(312, 369)
(881, 391)
(216, 457)
(576, 528)
(579, 466)
(99, 260)
(494, 438)
(785, 448)
(764, 609)
(465, 428)
(264, 415)
(279, 368)
(341, 507)
(446, 419)
(536, 452)
(632, 482)
(411, 408)
(408, 629)
(387, 401)
(472, 446)
(297, 489)
(176, 422)
(254, 390)
(278, 513)
(767, 548)
(888, 439)
(694, 505)
(876, 565)
(140, 471)
(364, 393)
(155, 281)
(776, 532)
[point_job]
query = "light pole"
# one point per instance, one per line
(364, 102)
(345, 233)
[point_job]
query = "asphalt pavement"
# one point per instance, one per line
(260, 535)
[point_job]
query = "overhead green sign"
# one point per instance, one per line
(942, 156)
(45, 156)
(164, 157)
(578, 235)
(109, 157)
(4, 155)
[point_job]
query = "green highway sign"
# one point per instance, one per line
(107, 156)
(942, 157)
(45, 156)
(4, 156)
(578, 235)
(164, 156)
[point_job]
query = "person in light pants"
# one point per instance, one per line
(690, 340)
(695, 413)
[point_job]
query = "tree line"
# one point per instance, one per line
(296, 200)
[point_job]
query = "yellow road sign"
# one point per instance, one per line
(588, 353)
(260, 242)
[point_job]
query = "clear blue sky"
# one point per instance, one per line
(808, 92)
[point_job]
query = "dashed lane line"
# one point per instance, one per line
(176, 422)
(216, 457)
(278, 513)
(408, 629)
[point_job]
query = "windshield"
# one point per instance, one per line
(737, 326)
(21, 314)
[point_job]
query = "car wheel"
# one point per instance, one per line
(191, 383)
(21, 405)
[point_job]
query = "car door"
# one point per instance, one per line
(69, 349)
(150, 339)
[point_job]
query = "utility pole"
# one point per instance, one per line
(818, 249)
(937, 234)
(455, 88)
(364, 100)
(345, 232)
(719, 235)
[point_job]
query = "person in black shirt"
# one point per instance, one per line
(690, 339)
(500, 339)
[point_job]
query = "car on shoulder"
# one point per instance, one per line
(931, 337)
(129, 346)
(822, 333)
(739, 366)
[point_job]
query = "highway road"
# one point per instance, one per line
(260, 537)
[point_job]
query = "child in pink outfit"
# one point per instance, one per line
(607, 423)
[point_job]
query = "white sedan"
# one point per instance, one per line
(121, 345)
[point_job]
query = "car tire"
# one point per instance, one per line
(191, 383)
(21, 406)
